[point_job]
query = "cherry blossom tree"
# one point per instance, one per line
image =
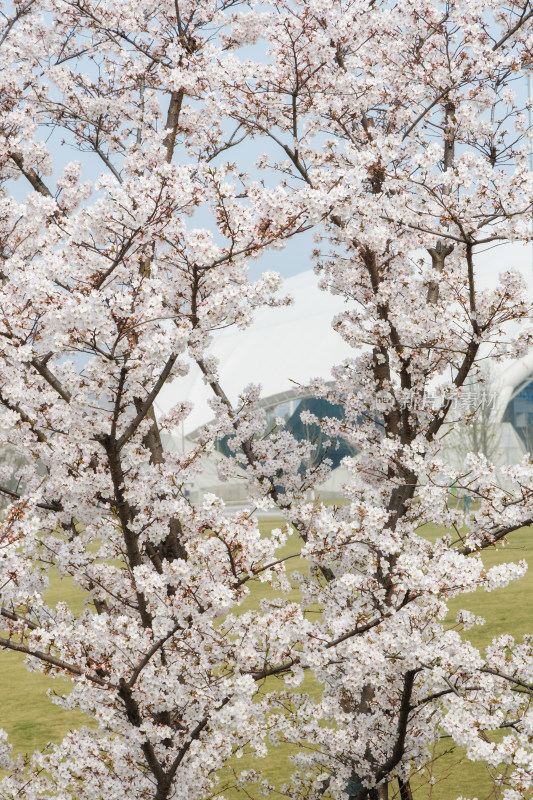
(107, 289)
(397, 130)
(405, 126)
(476, 428)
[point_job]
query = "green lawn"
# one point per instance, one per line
(32, 720)
(505, 611)
(27, 713)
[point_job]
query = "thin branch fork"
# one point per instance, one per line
(147, 403)
(522, 21)
(498, 674)
(259, 675)
(21, 12)
(151, 652)
(403, 715)
(192, 738)
(8, 644)
(30, 174)
(264, 568)
(4, 612)
(50, 378)
(356, 631)
(496, 536)
(246, 448)
(281, 668)
(24, 417)
(54, 506)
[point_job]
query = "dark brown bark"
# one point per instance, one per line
(30, 174)
(172, 123)
(405, 790)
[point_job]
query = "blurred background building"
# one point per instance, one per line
(287, 347)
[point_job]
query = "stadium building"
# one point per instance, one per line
(288, 346)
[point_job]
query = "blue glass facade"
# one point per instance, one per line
(290, 413)
(338, 448)
(519, 413)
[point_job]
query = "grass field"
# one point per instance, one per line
(32, 720)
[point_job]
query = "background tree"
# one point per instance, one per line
(400, 122)
(107, 290)
(400, 137)
(477, 421)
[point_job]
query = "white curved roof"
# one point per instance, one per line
(511, 373)
(293, 344)
(283, 345)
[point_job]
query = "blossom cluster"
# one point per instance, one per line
(394, 132)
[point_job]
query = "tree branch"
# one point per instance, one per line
(49, 659)
(172, 123)
(54, 506)
(51, 379)
(523, 19)
(17, 618)
(145, 407)
(30, 174)
(151, 652)
(499, 533)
